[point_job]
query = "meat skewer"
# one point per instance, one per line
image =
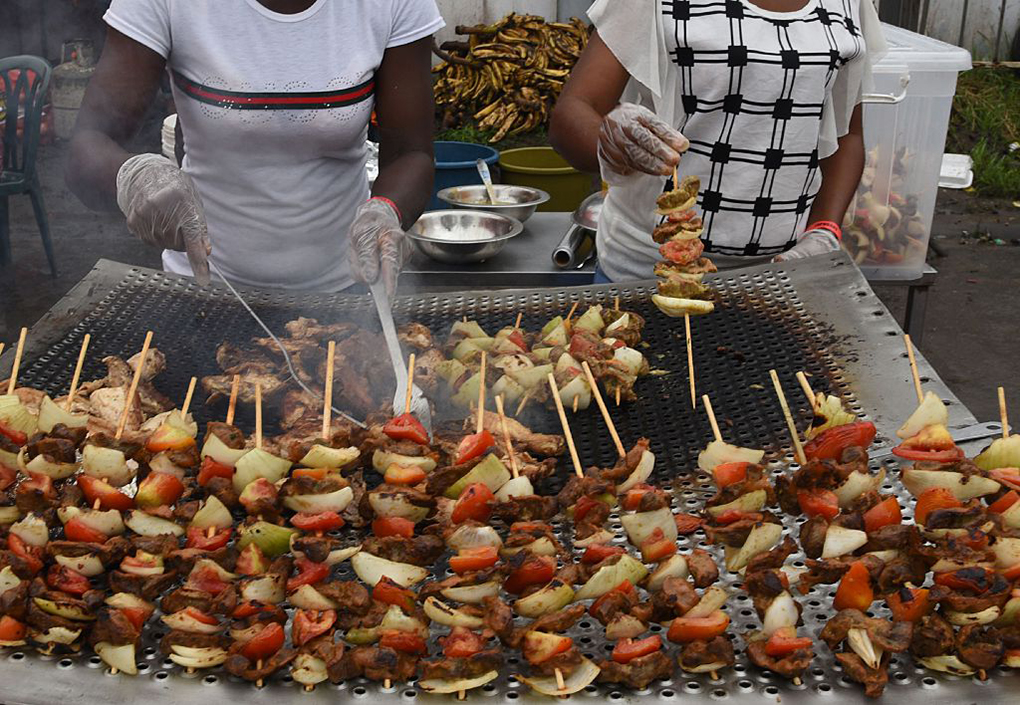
(790, 425)
(602, 407)
(77, 371)
(133, 389)
(12, 383)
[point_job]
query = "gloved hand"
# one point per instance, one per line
(378, 244)
(163, 209)
(633, 139)
(811, 243)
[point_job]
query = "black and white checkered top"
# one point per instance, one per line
(762, 97)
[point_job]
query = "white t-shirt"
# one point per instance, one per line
(275, 109)
(762, 96)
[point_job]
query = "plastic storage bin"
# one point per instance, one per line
(455, 166)
(888, 225)
(542, 168)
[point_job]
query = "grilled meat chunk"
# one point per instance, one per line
(376, 663)
(933, 636)
(716, 652)
(422, 550)
(457, 668)
(637, 673)
(790, 666)
(873, 679)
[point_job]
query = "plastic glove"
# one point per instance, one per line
(810, 244)
(163, 209)
(378, 245)
(633, 139)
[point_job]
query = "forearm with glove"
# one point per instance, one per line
(163, 209)
(378, 245)
(634, 140)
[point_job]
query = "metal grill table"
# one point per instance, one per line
(819, 316)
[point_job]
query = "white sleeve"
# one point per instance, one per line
(632, 32)
(413, 20)
(853, 80)
(145, 21)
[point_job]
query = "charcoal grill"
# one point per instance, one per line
(819, 316)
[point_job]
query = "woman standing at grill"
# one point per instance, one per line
(764, 96)
(274, 99)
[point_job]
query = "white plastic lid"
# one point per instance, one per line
(920, 53)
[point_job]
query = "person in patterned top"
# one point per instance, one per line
(762, 99)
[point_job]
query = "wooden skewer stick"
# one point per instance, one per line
(232, 407)
(386, 683)
(309, 688)
(134, 385)
(410, 384)
(711, 417)
(13, 381)
(1, 347)
(210, 532)
(617, 304)
(114, 670)
(327, 392)
(690, 361)
(517, 323)
(77, 370)
(187, 398)
(602, 407)
(618, 395)
(506, 437)
(1003, 415)
(792, 427)
(560, 685)
(806, 386)
(258, 664)
(461, 695)
(480, 422)
(714, 675)
(524, 402)
(797, 680)
(913, 367)
(97, 504)
(571, 314)
(258, 415)
(676, 177)
(576, 403)
(566, 426)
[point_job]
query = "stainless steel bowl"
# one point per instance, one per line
(463, 236)
(518, 202)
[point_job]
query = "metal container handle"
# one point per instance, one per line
(889, 98)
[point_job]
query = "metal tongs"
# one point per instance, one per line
(419, 404)
(286, 355)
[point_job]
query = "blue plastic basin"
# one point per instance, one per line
(455, 166)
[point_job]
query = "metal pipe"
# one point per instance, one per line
(998, 34)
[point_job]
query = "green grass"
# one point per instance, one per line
(984, 122)
(471, 133)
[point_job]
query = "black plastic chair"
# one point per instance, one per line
(24, 96)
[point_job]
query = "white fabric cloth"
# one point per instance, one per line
(275, 109)
(714, 69)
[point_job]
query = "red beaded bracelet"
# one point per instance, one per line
(829, 225)
(391, 204)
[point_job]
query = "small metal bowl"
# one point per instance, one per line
(518, 202)
(462, 236)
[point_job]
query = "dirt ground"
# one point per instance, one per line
(970, 329)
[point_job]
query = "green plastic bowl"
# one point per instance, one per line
(543, 168)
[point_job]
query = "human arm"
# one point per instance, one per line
(161, 203)
(119, 94)
(404, 111)
(841, 173)
(596, 133)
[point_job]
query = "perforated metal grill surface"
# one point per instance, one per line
(761, 323)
